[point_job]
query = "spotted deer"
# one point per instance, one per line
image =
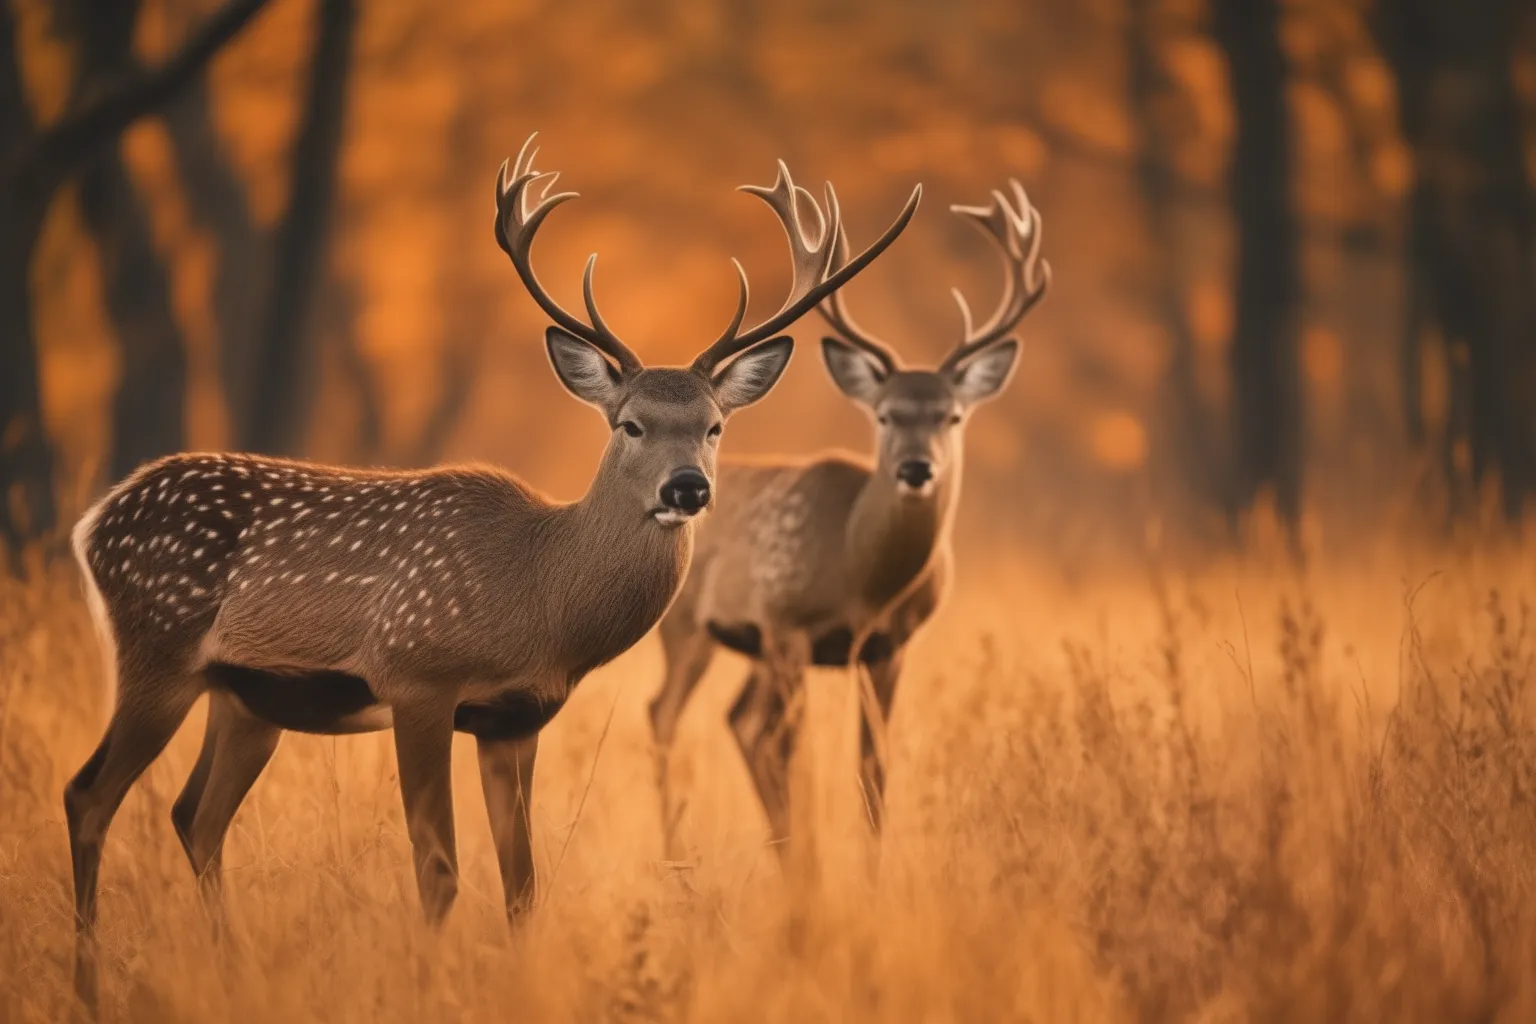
(840, 559)
(329, 600)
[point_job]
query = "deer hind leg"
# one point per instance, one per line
(876, 678)
(424, 750)
(236, 747)
(766, 721)
(688, 650)
(149, 711)
(506, 776)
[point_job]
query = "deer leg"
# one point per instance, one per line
(236, 747)
(688, 650)
(184, 810)
(877, 688)
(142, 724)
(424, 750)
(766, 722)
(506, 776)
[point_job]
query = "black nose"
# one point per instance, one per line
(686, 491)
(915, 472)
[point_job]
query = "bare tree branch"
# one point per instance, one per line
(59, 149)
(34, 163)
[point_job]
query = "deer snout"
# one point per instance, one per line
(686, 491)
(915, 473)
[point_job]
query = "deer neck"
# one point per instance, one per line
(892, 537)
(610, 575)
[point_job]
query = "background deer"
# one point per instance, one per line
(838, 559)
(333, 600)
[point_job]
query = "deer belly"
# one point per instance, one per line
(328, 702)
(832, 648)
(511, 715)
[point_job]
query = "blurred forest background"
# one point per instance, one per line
(1293, 240)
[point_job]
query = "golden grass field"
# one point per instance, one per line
(1238, 794)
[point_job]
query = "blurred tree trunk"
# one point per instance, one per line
(26, 461)
(218, 202)
(282, 386)
(1266, 385)
(1472, 233)
(34, 164)
(149, 410)
(466, 303)
(1154, 104)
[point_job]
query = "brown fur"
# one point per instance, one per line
(333, 600)
(835, 561)
(832, 559)
(341, 600)
(388, 576)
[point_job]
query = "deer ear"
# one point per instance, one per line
(585, 372)
(855, 374)
(751, 375)
(985, 374)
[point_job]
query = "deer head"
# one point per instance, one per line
(920, 415)
(667, 421)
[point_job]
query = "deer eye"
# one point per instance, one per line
(954, 419)
(631, 428)
(715, 430)
(883, 420)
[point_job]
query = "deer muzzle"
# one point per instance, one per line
(915, 474)
(683, 496)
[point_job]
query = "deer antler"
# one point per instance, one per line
(819, 269)
(515, 228)
(1015, 230)
(834, 309)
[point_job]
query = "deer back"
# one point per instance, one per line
(461, 572)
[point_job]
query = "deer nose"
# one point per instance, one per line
(687, 490)
(915, 472)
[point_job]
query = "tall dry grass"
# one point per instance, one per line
(1240, 795)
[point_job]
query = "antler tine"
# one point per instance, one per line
(817, 270)
(834, 309)
(965, 309)
(1017, 233)
(516, 226)
(743, 295)
(809, 258)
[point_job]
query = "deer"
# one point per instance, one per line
(326, 600)
(839, 559)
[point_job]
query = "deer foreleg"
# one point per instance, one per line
(506, 776)
(424, 749)
(766, 720)
(688, 649)
(877, 689)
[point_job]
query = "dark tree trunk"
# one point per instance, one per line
(1472, 233)
(33, 165)
(26, 459)
(1153, 98)
(149, 410)
(1266, 386)
(218, 202)
(283, 386)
